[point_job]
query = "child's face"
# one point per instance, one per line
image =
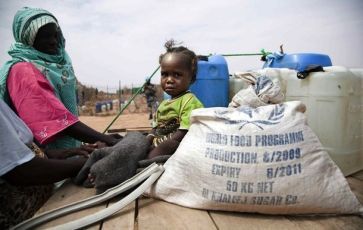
(176, 74)
(46, 40)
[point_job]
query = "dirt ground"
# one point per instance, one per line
(134, 120)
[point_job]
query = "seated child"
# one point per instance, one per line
(178, 72)
(110, 166)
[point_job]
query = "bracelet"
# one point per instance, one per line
(150, 135)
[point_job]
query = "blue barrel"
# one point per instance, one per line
(212, 83)
(298, 61)
(98, 107)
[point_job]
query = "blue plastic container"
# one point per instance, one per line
(297, 61)
(212, 83)
(98, 107)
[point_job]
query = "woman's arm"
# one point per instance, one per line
(40, 171)
(42, 111)
(86, 134)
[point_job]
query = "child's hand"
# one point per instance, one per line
(150, 138)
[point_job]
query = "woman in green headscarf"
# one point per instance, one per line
(40, 85)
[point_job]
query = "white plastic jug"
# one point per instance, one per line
(334, 109)
(359, 73)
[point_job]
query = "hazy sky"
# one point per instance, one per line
(112, 40)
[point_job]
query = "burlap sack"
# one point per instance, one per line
(264, 160)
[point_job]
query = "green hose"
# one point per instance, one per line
(131, 99)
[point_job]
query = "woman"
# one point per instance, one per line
(39, 84)
(26, 174)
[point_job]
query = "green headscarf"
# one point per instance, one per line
(56, 68)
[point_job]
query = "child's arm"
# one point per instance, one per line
(150, 136)
(169, 146)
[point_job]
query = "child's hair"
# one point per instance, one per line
(190, 55)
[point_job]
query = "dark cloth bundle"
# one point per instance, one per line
(111, 166)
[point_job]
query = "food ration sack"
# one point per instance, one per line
(261, 91)
(264, 160)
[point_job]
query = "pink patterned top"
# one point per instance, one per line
(35, 103)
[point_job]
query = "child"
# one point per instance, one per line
(178, 72)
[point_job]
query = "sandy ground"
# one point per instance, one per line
(134, 120)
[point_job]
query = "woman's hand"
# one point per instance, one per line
(114, 138)
(84, 133)
(100, 144)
